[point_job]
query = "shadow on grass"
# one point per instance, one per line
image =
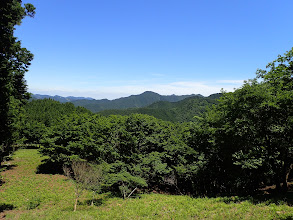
(49, 167)
(96, 202)
(7, 166)
(87, 204)
(3, 168)
(273, 198)
(290, 217)
(102, 200)
(6, 207)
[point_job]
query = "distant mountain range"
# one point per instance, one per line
(166, 107)
(181, 111)
(133, 101)
(60, 98)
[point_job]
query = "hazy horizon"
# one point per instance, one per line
(116, 95)
(108, 99)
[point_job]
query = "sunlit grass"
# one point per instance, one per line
(42, 196)
(23, 186)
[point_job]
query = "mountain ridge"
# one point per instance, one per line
(134, 101)
(61, 99)
(181, 111)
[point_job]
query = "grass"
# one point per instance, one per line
(27, 195)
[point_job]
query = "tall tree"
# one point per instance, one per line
(279, 77)
(14, 62)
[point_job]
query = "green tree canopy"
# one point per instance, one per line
(14, 62)
(248, 136)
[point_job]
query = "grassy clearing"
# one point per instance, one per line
(25, 189)
(42, 196)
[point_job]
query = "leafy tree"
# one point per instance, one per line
(14, 62)
(249, 139)
(235, 141)
(279, 77)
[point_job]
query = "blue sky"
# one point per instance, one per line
(115, 48)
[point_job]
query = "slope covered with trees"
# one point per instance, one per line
(181, 111)
(134, 101)
(40, 115)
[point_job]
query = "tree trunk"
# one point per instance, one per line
(75, 204)
(76, 198)
(277, 182)
(92, 203)
(285, 176)
(131, 192)
(276, 176)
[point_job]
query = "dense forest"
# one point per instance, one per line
(237, 145)
(240, 143)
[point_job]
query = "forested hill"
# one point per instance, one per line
(133, 101)
(181, 111)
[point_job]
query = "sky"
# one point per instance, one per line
(116, 48)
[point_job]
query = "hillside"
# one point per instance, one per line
(180, 111)
(27, 195)
(133, 101)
